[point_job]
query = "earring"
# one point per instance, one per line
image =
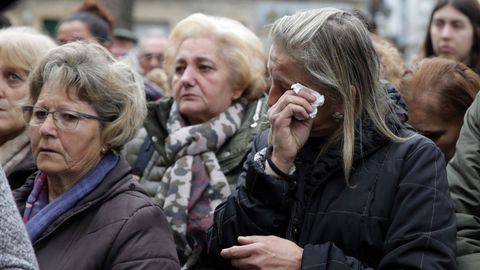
(103, 150)
(337, 116)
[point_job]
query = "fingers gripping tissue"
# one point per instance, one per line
(319, 101)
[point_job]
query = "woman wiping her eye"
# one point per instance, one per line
(352, 188)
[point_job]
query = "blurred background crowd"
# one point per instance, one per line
(404, 22)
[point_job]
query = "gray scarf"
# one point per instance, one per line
(194, 184)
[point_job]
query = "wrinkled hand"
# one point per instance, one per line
(264, 252)
(287, 134)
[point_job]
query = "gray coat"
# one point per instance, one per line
(16, 251)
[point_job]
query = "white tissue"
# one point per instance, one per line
(319, 101)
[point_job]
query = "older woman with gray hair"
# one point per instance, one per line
(338, 182)
(199, 138)
(83, 209)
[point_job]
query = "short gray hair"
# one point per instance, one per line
(89, 72)
(150, 34)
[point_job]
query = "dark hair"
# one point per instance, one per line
(98, 27)
(4, 21)
(96, 7)
(452, 85)
(6, 4)
(471, 9)
(366, 19)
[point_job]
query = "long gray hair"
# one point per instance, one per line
(339, 57)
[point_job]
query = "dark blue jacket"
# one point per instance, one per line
(396, 212)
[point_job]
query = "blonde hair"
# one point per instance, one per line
(339, 57)
(242, 49)
(393, 67)
(23, 47)
(159, 77)
(89, 72)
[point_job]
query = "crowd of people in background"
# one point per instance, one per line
(204, 148)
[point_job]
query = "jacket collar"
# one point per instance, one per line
(115, 182)
(158, 113)
(110, 186)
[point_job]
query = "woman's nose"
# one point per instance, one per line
(3, 86)
(188, 76)
(446, 31)
(48, 127)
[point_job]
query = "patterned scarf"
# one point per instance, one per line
(38, 198)
(194, 184)
(14, 151)
(39, 213)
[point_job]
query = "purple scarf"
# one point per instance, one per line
(39, 214)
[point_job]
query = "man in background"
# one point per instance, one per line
(151, 50)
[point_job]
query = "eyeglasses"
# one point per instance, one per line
(63, 119)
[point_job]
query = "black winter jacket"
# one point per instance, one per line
(21, 172)
(116, 226)
(396, 214)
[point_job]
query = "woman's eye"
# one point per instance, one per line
(457, 25)
(68, 117)
(13, 77)
(204, 68)
(179, 69)
(438, 23)
(39, 114)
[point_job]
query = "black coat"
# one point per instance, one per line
(19, 174)
(116, 226)
(396, 214)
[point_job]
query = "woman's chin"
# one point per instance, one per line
(50, 167)
(192, 116)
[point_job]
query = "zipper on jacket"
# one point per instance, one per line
(256, 116)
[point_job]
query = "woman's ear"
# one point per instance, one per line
(237, 93)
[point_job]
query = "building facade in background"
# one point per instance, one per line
(402, 21)
(405, 22)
